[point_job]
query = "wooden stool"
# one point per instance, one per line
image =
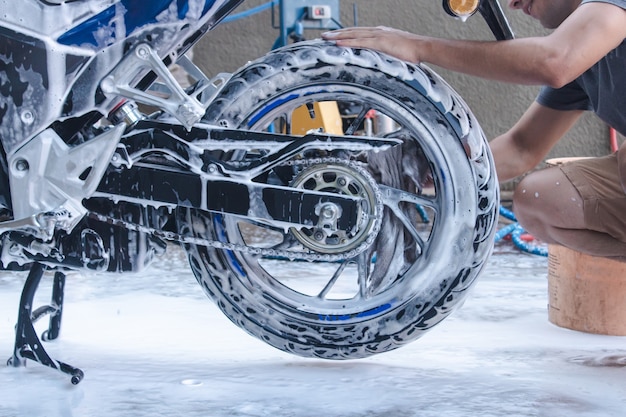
(586, 293)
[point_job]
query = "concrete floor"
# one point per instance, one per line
(152, 345)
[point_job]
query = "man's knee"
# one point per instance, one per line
(526, 196)
(546, 199)
(532, 202)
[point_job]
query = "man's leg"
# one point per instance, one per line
(580, 206)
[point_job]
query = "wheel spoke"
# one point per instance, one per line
(363, 271)
(331, 283)
(393, 198)
(356, 122)
(288, 122)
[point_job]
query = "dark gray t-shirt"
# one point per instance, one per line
(602, 88)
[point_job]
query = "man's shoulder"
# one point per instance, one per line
(619, 3)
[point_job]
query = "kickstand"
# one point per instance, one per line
(27, 344)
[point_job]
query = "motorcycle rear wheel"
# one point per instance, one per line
(439, 191)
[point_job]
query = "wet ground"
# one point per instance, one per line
(151, 344)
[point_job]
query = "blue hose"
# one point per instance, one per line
(423, 214)
(516, 231)
(248, 13)
(525, 246)
(505, 231)
(504, 212)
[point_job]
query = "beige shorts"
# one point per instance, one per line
(604, 201)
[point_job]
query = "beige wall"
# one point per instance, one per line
(496, 105)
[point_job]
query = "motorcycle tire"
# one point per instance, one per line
(439, 191)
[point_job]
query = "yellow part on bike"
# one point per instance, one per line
(321, 115)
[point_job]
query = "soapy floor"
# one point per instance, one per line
(152, 344)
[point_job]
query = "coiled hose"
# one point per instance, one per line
(516, 231)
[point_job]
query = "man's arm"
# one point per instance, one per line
(530, 139)
(588, 34)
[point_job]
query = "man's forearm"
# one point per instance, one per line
(510, 161)
(520, 61)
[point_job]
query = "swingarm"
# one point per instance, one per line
(167, 165)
